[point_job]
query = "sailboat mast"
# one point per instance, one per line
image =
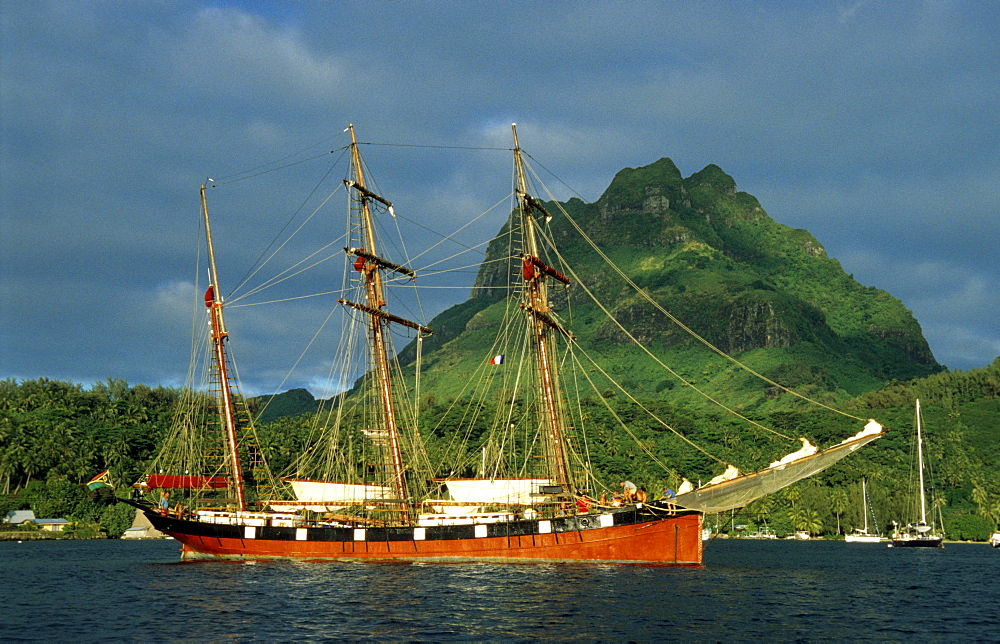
(213, 300)
(864, 499)
(920, 467)
(537, 306)
(372, 275)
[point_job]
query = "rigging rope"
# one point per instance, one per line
(277, 389)
(259, 264)
(639, 344)
(683, 380)
(441, 147)
(451, 238)
(648, 411)
(238, 177)
(274, 281)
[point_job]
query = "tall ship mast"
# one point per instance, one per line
(370, 265)
(220, 362)
(537, 308)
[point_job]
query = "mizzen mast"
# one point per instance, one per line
(226, 400)
(538, 309)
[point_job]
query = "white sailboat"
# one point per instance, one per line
(862, 535)
(919, 534)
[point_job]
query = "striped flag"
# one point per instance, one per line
(99, 481)
(496, 360)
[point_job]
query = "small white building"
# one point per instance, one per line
(27, 517)
(20, 516)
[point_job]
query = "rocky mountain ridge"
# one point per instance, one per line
(712, 256)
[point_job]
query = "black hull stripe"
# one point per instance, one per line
(524, 528)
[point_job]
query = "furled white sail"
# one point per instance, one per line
(730, 473)
(499, 491)
(327, 496)
(738, 492)
(808, 449)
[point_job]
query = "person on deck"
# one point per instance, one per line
(165, 502)
(629, 489)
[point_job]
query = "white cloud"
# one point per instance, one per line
(226, 52)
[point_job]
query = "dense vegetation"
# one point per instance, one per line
(54, 436)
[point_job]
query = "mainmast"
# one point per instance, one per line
(226, 402)
(536, 305)
(370, 265)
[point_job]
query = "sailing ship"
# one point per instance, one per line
(918, 534)
(862, 535)
(387, 499)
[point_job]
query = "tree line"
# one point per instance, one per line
(55, 436)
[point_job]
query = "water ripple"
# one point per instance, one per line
(775, 591)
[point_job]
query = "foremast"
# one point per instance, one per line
(370, 265)
(226, 400)
(542, 326)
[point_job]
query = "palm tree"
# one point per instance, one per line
(8, 462)
(981, 498)
(838, 503)
(793, 495)
(807, 520)
(994, 511)
(759, 509)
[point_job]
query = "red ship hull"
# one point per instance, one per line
(633, 537)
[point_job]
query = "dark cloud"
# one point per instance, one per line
(869, 124)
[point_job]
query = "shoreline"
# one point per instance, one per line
(43, 536)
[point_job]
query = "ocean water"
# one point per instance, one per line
(747, 590)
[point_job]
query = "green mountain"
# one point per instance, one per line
(293, 402)
(710, 255)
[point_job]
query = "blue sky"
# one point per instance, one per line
(871, 124)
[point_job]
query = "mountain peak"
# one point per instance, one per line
(712, 176)
(712, 256)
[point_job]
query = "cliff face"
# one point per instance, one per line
(711, 255)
